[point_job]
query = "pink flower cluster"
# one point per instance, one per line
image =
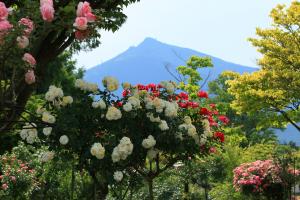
(23, 41)
(11, 170)
(258, 174)
(47, 10)
(29, 75)
(5, 25)
(84, 16)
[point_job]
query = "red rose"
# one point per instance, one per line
(182, 105)
(224, 119)
(202, 94)
(220, 136)
(204, 111)
(183, 96)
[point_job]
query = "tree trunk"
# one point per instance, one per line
(100, 188)
(150, 189)
(186, 190)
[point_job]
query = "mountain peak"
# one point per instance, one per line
(149, 42)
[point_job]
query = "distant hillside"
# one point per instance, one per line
(147, 63)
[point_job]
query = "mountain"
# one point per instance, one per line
(148, 63)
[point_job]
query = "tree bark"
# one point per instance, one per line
(150, 189)
(100, 188)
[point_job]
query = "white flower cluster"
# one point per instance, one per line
(48, 118)
(169, 86)
(149, 142)
(46, 156)
(99, 104)
(29, 133)
(98, 150)
(207, 131)
(63, 139)
(118, 176)
(152, 118)
(110, 83)
(171, 109)
(133, 103)
(85, 86)
(53, 93)
(192, 131)
(67, 100)
(56, 96)
(47, 131)
(113, 113)
(163, 125)
(160, 105)
(123, 150)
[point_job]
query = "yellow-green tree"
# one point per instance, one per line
(274, 89)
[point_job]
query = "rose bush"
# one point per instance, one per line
(265, 178)
(146, 131)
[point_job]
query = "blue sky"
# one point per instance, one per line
(215, 27)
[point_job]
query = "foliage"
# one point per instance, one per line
(272, 90)
(191, 77)
(242, 123)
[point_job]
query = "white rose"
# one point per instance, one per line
(23, 134)
(98, 150)
(163, 125)
(47, 131)
(30, 139)
(110, 83)
(135, 102)
(187, 120)
(46, 156)
(48, 118)
(127, 107)
(115, 156)
(113, 114)
(171, 109)
(159, 104)
(152, 118)
(67, 100)
(63, 139)
(118, 176)
(149, 142)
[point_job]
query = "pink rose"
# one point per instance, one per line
(13, 178)
(30, 77)
(23, 42)
(83, 9)
(5, 26)
(49, 2)
(81, 23)
(47, 12)
(29, 25)
(91, 17)
(4, 186)
(81, 35)
(3, 11)
(29, 58)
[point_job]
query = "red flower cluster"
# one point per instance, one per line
(202, 94)
(220, 136)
